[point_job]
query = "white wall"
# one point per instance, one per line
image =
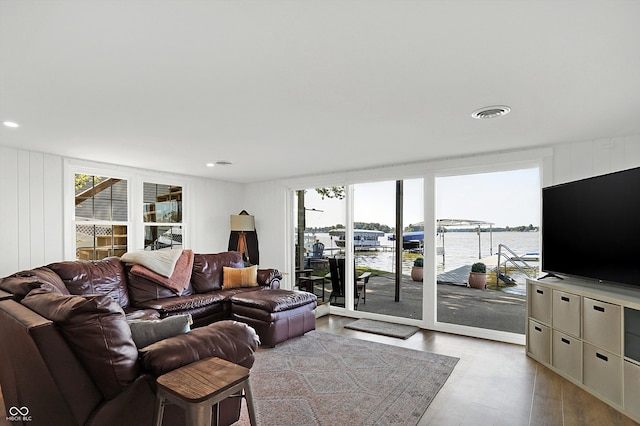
(570, 161)
(31, 206)
(267, 202)
(213, 202)
(32, 210)
(578, 160)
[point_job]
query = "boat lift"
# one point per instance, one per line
(512, 258)
(444, 223)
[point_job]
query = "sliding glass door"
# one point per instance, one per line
(318, 212)
(366, 264)
(388, 231)
(487, 228)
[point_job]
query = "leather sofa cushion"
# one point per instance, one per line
(105, 276)
(97, 331)
(142, 289)
(21, 283)
(183, 303)
(141, 314)
(230, 340)
(274, 300)
(207, 269)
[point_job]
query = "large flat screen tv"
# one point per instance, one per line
(591, 228)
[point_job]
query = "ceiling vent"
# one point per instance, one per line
(491, 112)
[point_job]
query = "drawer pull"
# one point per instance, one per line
(565, 341)
(537, 328)
(602, 357)
(539, 291)
(564, 299)
(599, 308)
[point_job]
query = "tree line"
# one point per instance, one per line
(375, 226)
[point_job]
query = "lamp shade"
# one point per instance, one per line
(243, 222)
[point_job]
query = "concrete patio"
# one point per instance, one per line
(457, 304)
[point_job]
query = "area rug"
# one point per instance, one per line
(383, 328)
(326, 379)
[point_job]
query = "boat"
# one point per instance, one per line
(413, 241)
(363, 239)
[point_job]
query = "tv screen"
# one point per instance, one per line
(591, 228)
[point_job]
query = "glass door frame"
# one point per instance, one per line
(429, 171)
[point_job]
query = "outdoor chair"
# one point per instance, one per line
(317, 252)
(337, 276)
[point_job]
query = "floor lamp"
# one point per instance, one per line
(243, 223)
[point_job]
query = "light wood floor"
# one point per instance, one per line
(493, 384)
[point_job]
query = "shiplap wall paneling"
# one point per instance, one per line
(632, 151)
(23, 220)
(54, 209)
(9, 210)
(31, 209)
(36, 211)
(212, 204)
(267, 202)
(581, 160)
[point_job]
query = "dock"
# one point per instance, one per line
(460, 275)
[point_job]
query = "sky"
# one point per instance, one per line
(510, 198)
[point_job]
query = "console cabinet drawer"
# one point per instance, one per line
(603, 373)
(602, 324)
(631, 386)
(567, 312)
(540, 303)
(540, 341)
(567, 354)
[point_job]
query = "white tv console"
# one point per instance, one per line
(588, 333)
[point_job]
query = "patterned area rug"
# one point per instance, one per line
(326, 379)
(383, 328)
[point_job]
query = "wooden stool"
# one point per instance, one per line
(199, 386)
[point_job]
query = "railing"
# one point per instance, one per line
(513, 259)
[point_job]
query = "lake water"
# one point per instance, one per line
(460, 248)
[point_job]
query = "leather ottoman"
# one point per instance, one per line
(276, 315)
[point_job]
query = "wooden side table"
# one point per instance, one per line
(199, 386)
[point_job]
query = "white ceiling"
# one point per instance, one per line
(290, 88)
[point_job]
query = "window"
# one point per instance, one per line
(101, 213)
(162, 216)
(117, 210)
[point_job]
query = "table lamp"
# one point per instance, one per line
(243, 223)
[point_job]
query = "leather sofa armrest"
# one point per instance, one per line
(130, 407)
(230, 340)
(269, 278)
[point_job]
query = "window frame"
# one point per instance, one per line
(428, 170)
(161, 224)
(135, 202)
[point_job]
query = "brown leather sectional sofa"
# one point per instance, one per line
(68, 356)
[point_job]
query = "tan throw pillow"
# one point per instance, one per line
(239, 277)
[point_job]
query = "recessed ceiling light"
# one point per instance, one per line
(10, 124)
(491, 112)
(219, 163)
